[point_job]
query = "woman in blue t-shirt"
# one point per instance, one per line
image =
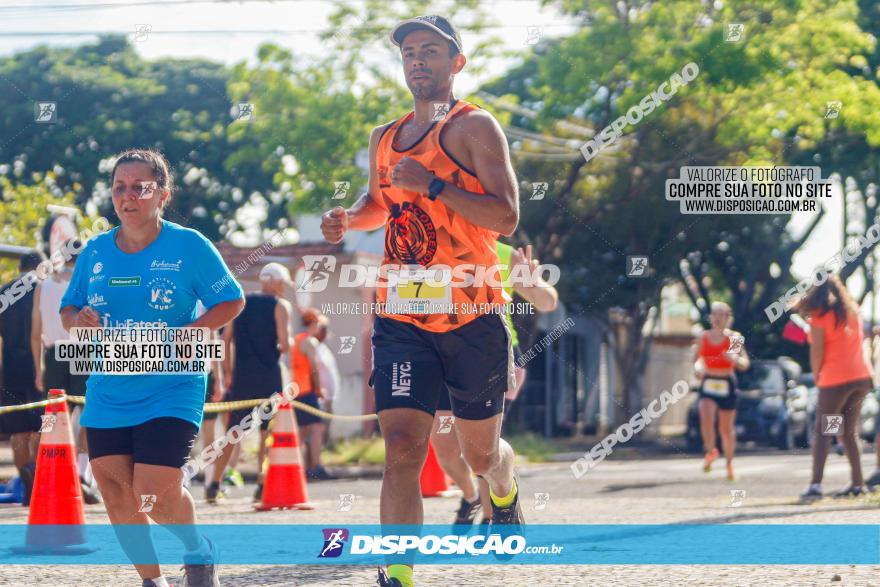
(148, 273)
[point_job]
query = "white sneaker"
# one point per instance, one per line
(814, 491)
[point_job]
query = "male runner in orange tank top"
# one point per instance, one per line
(442, 184)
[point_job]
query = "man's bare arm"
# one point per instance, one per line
(37, 336)
(282, 325)
(229, 355)
(490, 157)
(482, 137)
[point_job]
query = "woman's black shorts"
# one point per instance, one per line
(711, 389)
(162, 441)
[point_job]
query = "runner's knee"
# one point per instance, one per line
(446, 446)
(404, 449)
(162, 491)
(113, 490)
(482, 462)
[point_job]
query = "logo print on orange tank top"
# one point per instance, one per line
(410, 235)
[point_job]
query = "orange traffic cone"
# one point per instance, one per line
(433, 479)
(56, 517)
(285, 483)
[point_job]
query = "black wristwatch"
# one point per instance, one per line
(434, 188)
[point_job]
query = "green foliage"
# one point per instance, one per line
(531, 447)
(23, 210)
(758, 101)
(313, 117)
(355, 451)
(109, 99)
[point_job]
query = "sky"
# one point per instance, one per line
(231, 31)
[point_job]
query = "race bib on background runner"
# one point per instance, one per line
(716, 387)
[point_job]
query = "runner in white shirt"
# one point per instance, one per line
(46, 330)
(327, 369)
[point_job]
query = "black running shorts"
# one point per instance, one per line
(57, 375)
(725, 401)
(236, 416)
(304, 418)
(162, 441)
(444, 405)
(414, 368)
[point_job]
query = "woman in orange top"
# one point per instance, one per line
(304, 367)
(720, 353)
(843, 377)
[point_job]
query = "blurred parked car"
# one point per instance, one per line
(772, 407)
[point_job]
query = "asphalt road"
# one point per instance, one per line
(631, 491)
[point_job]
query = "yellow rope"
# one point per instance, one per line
(22, 407)
(214, 407)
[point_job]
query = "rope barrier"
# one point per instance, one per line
(31, 406)
(210, 408)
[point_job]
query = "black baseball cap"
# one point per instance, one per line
(438, 24)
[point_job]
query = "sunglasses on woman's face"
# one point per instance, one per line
(145, 190)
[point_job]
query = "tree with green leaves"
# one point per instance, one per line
(24, 210)
(108, 99)
(758, 101)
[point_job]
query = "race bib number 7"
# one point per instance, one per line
(415, 290)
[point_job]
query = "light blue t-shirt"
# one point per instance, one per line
(160, 286)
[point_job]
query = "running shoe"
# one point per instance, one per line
(710, 458)
(508, 521)
(258, 494)
(386, 581)
(851, 491)
(213, 492)
(201, 569)
(233, 477)
(467, 511)
(90, 493)
(873, 479)
(319, 473)
(814, 491)
(27, 475)
(511, 516)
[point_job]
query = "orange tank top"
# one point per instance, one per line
(301, 367)
(715, 355)
(427, 234)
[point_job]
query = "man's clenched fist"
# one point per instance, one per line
(334, 224)
(411, 175)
